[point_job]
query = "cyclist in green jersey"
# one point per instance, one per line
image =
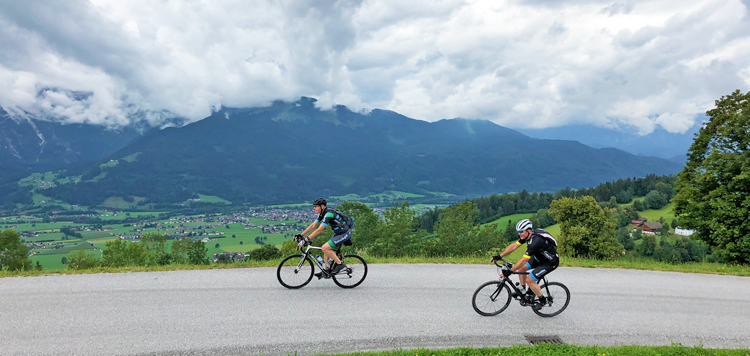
(342, 233)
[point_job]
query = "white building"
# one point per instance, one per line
(683, 232)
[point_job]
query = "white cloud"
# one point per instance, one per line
(615, 64)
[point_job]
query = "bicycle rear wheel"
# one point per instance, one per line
(354, 273)
(491, 298)
(558, 297)
(294, 272)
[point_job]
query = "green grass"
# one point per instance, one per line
(623, 263)
(213, 199)
(547, 349)
(121, 215)
(111, 163)
(120, 203)
(653, 215)
(502, 222)
(132, 157)
(98, 177)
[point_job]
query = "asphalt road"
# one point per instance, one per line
(246, 312)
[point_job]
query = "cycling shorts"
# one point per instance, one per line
(337, 240)
(539, 270)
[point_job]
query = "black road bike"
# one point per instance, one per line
(296, 271)
(493, 297)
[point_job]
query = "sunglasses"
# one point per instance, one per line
(520, 231)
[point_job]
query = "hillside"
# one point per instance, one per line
(291, 152)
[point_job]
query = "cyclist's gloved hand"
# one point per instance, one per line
(506, 273)
(298, 237)
(496, 258)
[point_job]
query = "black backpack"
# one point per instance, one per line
(348, 219)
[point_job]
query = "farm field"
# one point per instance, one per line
(220, 233)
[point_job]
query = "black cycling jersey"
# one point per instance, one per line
(330, 216)
(541, 246)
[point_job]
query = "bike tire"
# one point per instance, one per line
(354, 273)
(558, 298)
(491, 298)
(293, 275)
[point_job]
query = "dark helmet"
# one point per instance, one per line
(320, 201)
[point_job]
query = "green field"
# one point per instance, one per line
(213, 199)
(654, 215)
(502, 222)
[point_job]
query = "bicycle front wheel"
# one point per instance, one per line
(558, 297)
(354, 273)
(295, 271)
(491, 298)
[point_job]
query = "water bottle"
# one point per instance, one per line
(330, 263)
(521, 288)
(320, 259)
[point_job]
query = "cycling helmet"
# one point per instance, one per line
(523, 225)
(320, 201)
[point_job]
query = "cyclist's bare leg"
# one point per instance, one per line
(521, 277)
(534, 286)
(328, 252)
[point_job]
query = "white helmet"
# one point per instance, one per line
(523, 225)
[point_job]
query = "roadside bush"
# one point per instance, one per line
(265, 253)
(79, 259)
(289, 247)
(14, 255)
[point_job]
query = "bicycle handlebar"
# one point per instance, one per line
(507, 265)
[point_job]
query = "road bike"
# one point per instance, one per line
(296, 271)
(493, 297)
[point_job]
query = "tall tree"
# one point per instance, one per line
(713, 189)
(395, 231)
(454, 226)
(14, 255)
(365, 222)
(587, 230)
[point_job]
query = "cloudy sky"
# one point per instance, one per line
(521, 63)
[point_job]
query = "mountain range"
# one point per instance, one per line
(293, 151)
(46, 145)
(659, 143)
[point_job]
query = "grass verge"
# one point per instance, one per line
(564, 350)
(635, 263)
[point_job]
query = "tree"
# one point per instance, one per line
(179, 250)
(14, 255)
(713, 189)
(510, 233)
(265, 253)
(121, 253)
(364, 231)
(454, 226)
(395, 231)
(79, 260)
(655, 200)
(586, 229)
(197, 253)
(648, 245)
(156, 245)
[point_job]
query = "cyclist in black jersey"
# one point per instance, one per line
(342, 233)
(541, 258)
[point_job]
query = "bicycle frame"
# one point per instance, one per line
(307, 255)
(513, 286)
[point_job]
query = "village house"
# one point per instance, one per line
(650, 227)
(683, 232)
